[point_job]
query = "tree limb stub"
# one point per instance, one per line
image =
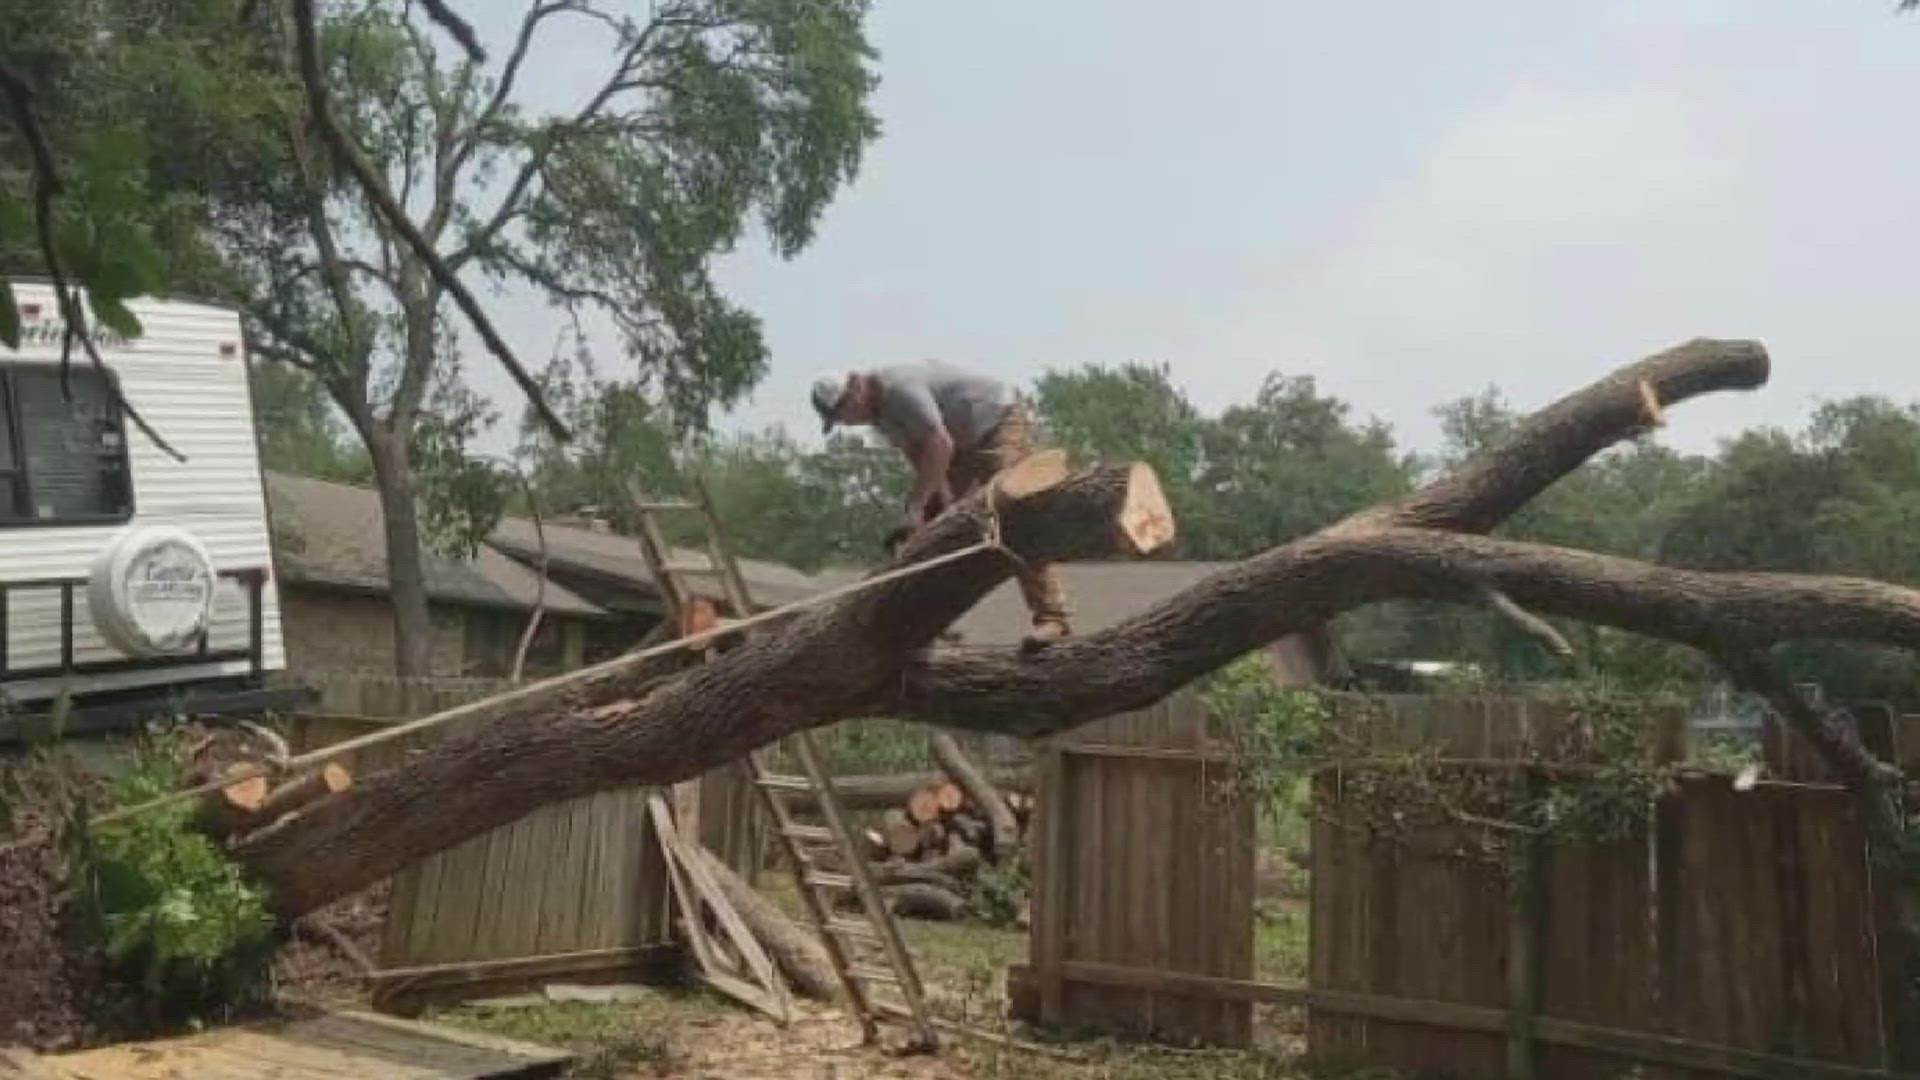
(599, 729)
(1530, 624)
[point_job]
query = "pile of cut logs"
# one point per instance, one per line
(939, 829)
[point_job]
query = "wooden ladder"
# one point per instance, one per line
(868, 955)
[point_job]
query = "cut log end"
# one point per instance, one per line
(335, 777)
(902, 835)
(1145, 520)
(1653, 413)
(245, 795)
(1032, 475)
(923, 805)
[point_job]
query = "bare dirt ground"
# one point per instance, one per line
(823, 1045)
(41, 987)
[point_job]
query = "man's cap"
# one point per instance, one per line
(828, 392)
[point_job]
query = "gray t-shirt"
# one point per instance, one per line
(915, 398)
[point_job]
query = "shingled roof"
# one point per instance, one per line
(1099, 594)
(617, 558)
(330, 534)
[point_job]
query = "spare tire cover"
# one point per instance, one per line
(151, 590)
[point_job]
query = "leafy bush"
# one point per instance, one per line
(179, 926)
(1275, 735)
(1001, 891)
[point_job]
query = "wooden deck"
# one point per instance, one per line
(335, 1045)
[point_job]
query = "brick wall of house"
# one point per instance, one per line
(331, 630)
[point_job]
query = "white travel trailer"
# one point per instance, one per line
(130, 580)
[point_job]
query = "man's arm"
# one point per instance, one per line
(931, 456)
(911, 418)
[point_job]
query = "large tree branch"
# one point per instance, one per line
(1551, 443)
(865, 655)
(314, 76)
(620, 80)
(610, 726)
(469, 141)
(1307, 582)
(458, 28)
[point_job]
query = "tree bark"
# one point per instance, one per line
(609, 726)
(794, 950)
(406, 563)
(920, 901)
(986, 797)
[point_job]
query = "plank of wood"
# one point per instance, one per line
(758, 962)
(688, 894)
(477, 1039)
(329, 1046)
(18, 1063)
(1050, 904)
(555, 965)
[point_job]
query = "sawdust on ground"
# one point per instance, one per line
(820, 1044)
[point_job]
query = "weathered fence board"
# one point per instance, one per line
(573, 889)
(1142, 861)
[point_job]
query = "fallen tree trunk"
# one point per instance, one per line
(796, 951)
(980, 790)
(603, 727)
(919, 901)
(866, 655)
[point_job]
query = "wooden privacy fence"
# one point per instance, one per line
(1738, 934)
(1141, 865)
(574, 890)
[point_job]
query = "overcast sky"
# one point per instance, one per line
(1406, 201)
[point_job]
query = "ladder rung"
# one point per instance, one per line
(866, 973)
(853, 928)
(826, 879)
(668, 504)
(687, 568)
(778, 782)
(816, 833)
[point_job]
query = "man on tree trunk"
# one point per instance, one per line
(958, 429)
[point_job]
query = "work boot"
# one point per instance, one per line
(1046, 630)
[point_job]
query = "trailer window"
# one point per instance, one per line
(63, 458)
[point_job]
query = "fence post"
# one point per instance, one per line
(1526, 912)
(1049, 923)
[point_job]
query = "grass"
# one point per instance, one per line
(1280, 940)
(612, 1039)
(964, 968)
